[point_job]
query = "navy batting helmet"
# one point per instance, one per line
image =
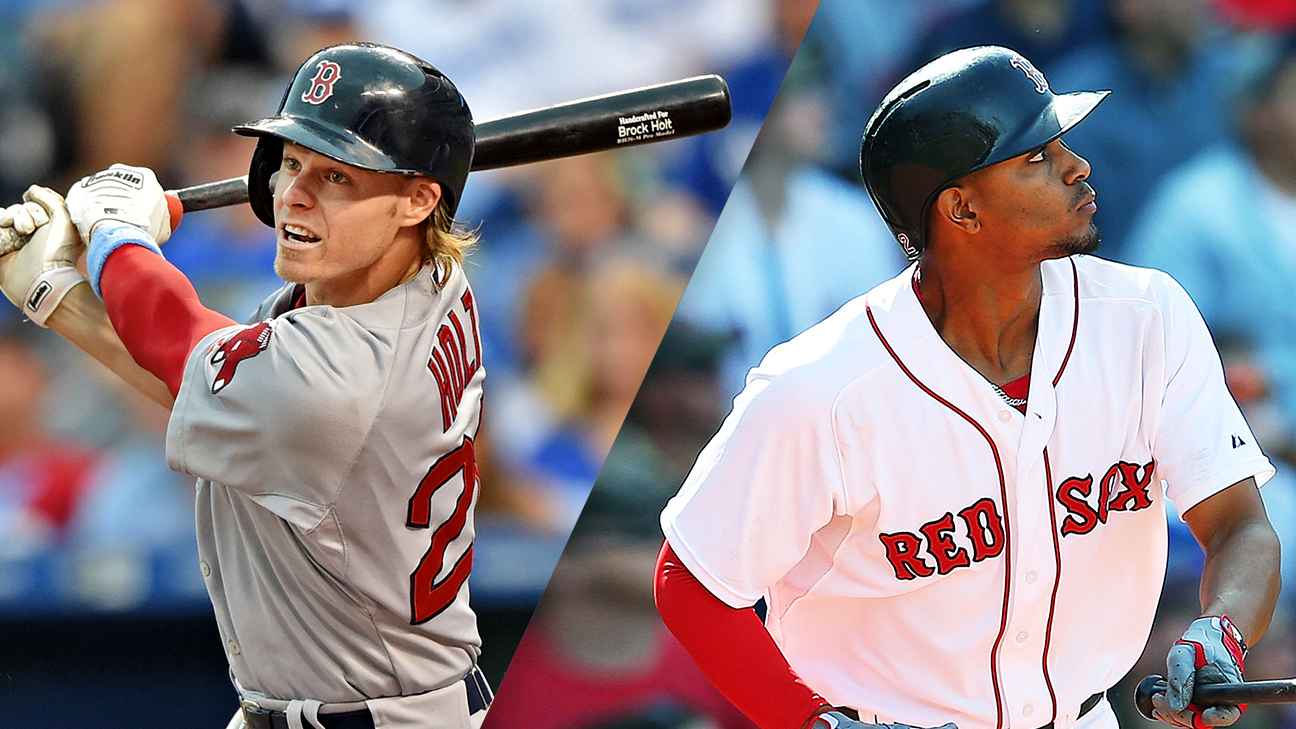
(369, 106)
(963, 111)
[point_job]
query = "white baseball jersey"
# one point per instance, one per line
(931, 554)
(336, 484)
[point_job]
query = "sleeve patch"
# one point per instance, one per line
(226, 355)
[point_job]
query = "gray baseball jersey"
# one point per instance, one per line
(336, 483)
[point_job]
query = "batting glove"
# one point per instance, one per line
(838, 720)
(37, 276)
(123, 193)
(23, 217)
(1211, 651)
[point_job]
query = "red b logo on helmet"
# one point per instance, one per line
(321, 86)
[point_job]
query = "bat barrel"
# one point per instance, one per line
(214, 194)
(612, 121)
(623, 119)
(1250, 692)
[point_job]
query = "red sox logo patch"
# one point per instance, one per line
(327, 73)
(245, 344)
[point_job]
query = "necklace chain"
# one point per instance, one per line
(1017, 402)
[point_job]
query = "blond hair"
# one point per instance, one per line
(445, 242)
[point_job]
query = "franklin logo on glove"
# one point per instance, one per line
(130, 177)
(38, 294)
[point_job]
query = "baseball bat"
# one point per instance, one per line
(1281, 691)
(612, 121)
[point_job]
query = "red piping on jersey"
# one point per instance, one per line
(1003, 494)
(1057, 580)
(1075, 327)
(1048, 480)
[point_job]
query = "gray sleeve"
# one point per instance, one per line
(275, 304)
(279, 409)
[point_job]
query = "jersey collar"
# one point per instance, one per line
(902, 320)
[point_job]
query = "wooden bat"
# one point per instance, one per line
(622, 119)
(1282, 691)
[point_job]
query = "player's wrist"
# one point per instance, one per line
(1218, 628)
(1230, 629)
(47, 292)
(108, 236)
(111, 221)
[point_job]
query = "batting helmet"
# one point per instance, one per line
(963, 111)
(369, 106)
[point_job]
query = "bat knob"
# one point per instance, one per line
(175, 209)
(1143, 694)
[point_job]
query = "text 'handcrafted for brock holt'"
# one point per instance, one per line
(649, 125)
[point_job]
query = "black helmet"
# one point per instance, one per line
(368, 106)
(963, 111)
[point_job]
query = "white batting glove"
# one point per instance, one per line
(838, 720)
(37, 276)
(131, 195)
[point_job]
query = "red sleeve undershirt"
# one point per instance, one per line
(155, 311)
(733, 649)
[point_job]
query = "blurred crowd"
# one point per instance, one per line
(581, 263)
(1194, 164)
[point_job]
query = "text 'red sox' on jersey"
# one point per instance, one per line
(927, 551)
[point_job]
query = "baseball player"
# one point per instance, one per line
(332, 433)
(950, 493)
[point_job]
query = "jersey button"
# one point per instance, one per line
(1022, 636)
(1031, 577)
(1027, 710)
(1005, 416)
(233, 648)
(205, 569)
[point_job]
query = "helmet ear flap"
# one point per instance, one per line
(265, 163)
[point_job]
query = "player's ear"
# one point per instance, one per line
(956, 206)
(422, 194)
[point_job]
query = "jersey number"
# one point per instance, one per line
(428, 597)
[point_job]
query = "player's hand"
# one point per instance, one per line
(36, 277)
(838, 720)
(127, 194)
(1211, 651)
(23, 217)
